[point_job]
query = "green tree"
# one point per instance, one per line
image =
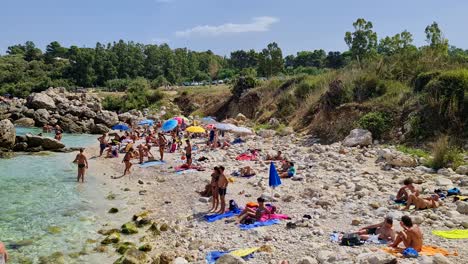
(81, 66)
(54, 50)
(435, 38)
(271, 60)
(396, 44)
(363, 40)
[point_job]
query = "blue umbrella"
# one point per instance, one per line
(148, 122)
(274, 180)
(169, 125)
(120, 127)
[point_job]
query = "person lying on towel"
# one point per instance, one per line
(383, 229)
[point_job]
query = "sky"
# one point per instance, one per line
(224, 25)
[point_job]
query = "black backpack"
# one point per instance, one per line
(351, 239)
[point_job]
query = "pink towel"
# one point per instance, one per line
(266, 217)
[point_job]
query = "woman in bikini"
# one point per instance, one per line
(214, 189)
(128, 157)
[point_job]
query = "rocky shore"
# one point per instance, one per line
(342, 188)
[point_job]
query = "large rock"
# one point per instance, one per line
(462, 207)
(358, 137)
(375, 258)
(20, 146)
(266, 133)
(397, 159)
(41, 116)
(7, 134)
(127, 117)
(133, 256)
(462, 170)
(180, 260)
(68, 125)
(87, 112)
(41, 100)
(230, 259)
(99, 129)
(440, 259)
(107, 118)
(25, 122)
(51, 144)
(34, 141)
(286, 131)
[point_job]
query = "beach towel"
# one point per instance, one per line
(266, 217)
(215, 217)
(246, 253)
(186, 171)
(246, 157)
(452, 234)
(259, 224)
(426, 251)
(152, 163)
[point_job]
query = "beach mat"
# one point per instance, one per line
(425, 251)
(185, 171)
(215, 217)
(246, 253)
(152, 163)
(259, 224)
(452, 234)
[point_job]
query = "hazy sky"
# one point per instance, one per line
(224, 25)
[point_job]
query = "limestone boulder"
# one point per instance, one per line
(375, 258)
(107, 118)
(99, 129)
(230, 259)
(462, 207)
(51, 144)
(34, 141)
(463, 170)
(41, 116)
(358, 137)
(25, 122)
(7, 134)
(41, 101)
(68, 125)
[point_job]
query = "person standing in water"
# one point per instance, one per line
(82, 165)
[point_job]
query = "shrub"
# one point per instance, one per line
(376, 122)
(335, 96)
(445, 155)
(117, 84)
(158, 82)
(413, 151)
(366, 87)
(286, 105)
(243, 84)
(423, 79)
(302, 90)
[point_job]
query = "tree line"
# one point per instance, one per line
(26, 68)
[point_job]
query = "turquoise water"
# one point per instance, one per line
(42, 207)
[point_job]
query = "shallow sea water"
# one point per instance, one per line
(42, 208)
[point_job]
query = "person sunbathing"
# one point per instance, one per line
(290, 173)
(384, 230)
(277, 157)
(411, 235)
(407, 189)
(247, 172)
(256, 214)
(422, 203)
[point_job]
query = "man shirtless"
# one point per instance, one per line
(162, 141)
(411, 235)
(188, 152)
(102, 143)
(222, 189)
(82, 165)
(407, 189)
(422, 203)
(384, 230)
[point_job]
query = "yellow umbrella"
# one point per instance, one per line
(195, 129)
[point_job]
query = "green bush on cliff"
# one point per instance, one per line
(445, 155)
(367, 87)
(376, 122)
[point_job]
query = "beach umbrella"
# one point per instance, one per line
(178, 119)
(208, 120)
(225, 127)
(120, 127)
(241, 130)
(148, 122)
(169, 125)
(210, 126)
(274, 179)
(195, 129)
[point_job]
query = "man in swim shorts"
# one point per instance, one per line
(82, 165)
(383, 229)
(222, 189)
(188, 152)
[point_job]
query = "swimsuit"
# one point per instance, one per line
(222, 191)
(188, 156)
(102, 146)
(372, 231)
(81, 166)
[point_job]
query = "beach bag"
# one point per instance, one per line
(410, 253)
(233, 205)
(351, 239)
(453, 191)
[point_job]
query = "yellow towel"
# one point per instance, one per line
(244, 252)
(452, 234)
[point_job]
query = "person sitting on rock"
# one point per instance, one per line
(277, 157)
(256, 214)
(422, 203)
(384, 230)
(411, 235)
(291, 171)
(407, 189)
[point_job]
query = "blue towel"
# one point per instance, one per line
(152, 163)
(216, 217)
(258, 224)
(212, 256)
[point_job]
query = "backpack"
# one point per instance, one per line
(233, 206)
(351, 239)
(453, 191)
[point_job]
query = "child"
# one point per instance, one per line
(222, 189)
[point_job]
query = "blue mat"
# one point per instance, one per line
(152, 163)
(212, 256)
(259, 224)
(216, 217)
